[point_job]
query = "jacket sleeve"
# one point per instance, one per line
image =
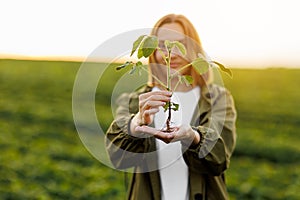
(124, 150)
(218, 134)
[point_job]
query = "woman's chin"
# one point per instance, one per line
(174, 69)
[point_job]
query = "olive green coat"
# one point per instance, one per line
(206, 162)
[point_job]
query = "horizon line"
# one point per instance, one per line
(118, 60)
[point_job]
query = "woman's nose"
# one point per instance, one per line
(175, 52)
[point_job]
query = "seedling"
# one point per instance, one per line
(146, 45)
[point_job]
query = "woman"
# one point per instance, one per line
(190, 161)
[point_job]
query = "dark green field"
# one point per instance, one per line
(42, 156)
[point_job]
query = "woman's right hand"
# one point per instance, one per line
(149, 104)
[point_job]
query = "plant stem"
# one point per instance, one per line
(161, 53)
(168, 61)
(182, 68)
(178, 82)
(159, 81)
(169, 118)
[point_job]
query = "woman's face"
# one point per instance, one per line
(172, 32)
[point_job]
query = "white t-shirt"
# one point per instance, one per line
(172, 168)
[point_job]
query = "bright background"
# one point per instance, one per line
(256, 33)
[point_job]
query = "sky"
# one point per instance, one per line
(261, 33)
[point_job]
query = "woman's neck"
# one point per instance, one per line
(182, 87)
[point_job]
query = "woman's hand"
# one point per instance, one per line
(183, 133)
(186, 135)
(149, 104)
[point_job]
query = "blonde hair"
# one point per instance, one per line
(193, 46)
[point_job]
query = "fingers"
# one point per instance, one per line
(150, 102)
(164, 136)
(185, 134)
(180, 133)
(151, 111)
(156, 96)
(156, 93)
(146, 114)
(146, 102)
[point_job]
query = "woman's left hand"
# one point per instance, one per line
(183, 133)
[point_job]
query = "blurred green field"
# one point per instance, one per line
(42, 156)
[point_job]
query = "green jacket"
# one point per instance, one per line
(206, 162)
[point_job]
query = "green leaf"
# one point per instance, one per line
(224, 69)
(188, 79)
(200, 65)
(136, 44)
(126, 64)
(149, 45)
(175, 106)
(139, 65)
(168, 45)
(140, 52)
(181, 47)
(166, 106)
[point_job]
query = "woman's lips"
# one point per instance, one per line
(174, 65)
